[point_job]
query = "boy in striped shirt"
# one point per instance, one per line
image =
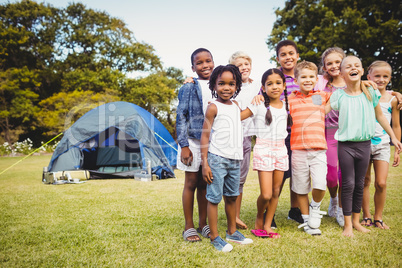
(308, 145)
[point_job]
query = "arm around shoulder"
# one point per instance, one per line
(385, 125)
(398, 96)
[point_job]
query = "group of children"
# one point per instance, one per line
(217, 116)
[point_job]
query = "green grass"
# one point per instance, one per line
(127, 223)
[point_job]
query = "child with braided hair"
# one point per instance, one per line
(270, 158)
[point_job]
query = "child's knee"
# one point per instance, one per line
(230, 199)
(380, 185)
(266, 196)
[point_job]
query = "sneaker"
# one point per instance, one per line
(309, 230)
(221, 244)
(333, 207)
(273, 223)
(295, 214)
(239, 238)
(314, 218)
(339, 217)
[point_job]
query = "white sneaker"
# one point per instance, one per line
(315, 215)
(339, 217)
(309, 230)
(333, 207)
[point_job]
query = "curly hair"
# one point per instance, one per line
(268, 115)
(218, 71)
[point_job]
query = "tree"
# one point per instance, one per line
(53, 59)
(156, 93)
(370, 30)
(61, 110)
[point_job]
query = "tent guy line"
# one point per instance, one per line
(31, 153)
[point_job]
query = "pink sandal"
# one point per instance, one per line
(260, 233)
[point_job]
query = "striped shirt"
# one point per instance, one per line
(290, 85)
(308, 114)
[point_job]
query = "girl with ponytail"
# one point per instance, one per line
(270, 159)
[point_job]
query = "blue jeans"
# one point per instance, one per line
(226, 178)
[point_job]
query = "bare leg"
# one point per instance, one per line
(213, 220)
(381, 174)
(356, 223)
(202, 201)
(366, 196)
(265, 179)
(333, 191)
(230, 209)
(348, 228)
(239, 223)
(293, 196)
(303, 202)
(273, 203)
(190, 184)
(318, 195)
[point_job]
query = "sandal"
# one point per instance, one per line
(381, 223)
(191, 232)
(367, 222)
(205, 232)
(259, 233)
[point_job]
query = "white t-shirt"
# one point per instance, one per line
(206, 94)
(277, 130)
(226, 138)
(247, 93)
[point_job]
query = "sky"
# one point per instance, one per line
(175, 28)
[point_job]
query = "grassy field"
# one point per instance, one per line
(127, 223)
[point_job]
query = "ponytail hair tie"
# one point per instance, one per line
(288, 112)
(268, 107)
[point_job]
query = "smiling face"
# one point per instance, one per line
(203, 64)
(245, 68)
(306, 79)
(274, 86)
(225, 86)
(351, 69)
(287, 58)
(381, 75)
(332, 64)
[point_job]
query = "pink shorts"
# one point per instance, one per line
(270, 155)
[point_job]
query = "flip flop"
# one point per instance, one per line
(381, 223)
(191, 232)
(205, 232)
(260, 233)
(367, 222)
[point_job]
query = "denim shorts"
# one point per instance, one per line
(226, 178)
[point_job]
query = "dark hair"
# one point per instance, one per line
(268, 115)
(218, 71)
(199, 50)
(284, 43)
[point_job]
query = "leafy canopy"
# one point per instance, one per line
(370, 30)
(55, 61)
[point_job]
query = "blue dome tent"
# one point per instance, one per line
(116, 140)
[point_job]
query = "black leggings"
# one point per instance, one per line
(354, 159)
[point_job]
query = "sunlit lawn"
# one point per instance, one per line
(127, 223)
